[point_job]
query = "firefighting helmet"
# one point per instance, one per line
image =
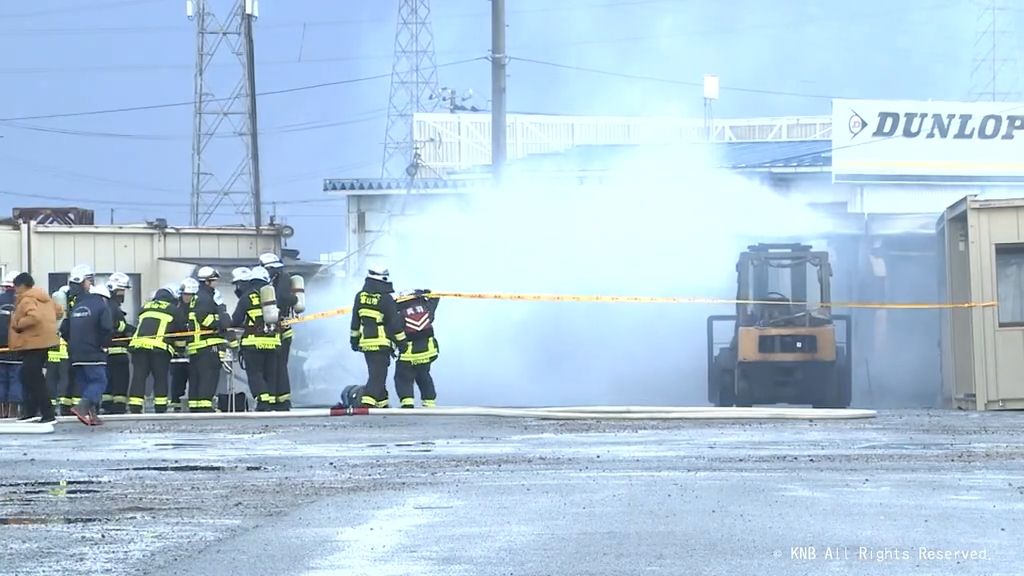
(119, 281)
(260, 273)
(378, 273)
(240, 274)
(80, 274)
(100, 290)
(269, 260)
(207, 273)
(174, 290)
(8, 281)
(190, 286)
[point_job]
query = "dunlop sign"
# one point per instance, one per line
(896, 141)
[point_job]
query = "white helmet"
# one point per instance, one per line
(101, 290)
(174, 290)
(64, 289)
(119, 281)
(207, 273)
(189, 286)
(9, 279)
(80, 274)
(270, 260)
(240, 274)
(260, 273)
(378, 273)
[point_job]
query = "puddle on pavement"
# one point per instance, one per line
(37, 484)
(42, 520)
(190, 468)
(175, 445)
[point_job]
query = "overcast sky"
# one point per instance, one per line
(774, 58)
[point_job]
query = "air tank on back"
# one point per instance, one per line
(268, 302)
(299, 289)
(60, 297)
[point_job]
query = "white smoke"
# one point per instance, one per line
(661, 223)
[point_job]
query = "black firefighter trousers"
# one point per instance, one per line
(261, 369)
(405, 374)
(203, 376)
(115, 399)
(145, 362)
(376, 391)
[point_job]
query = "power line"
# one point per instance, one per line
(78, 7)
(191, 103)
(672, 81)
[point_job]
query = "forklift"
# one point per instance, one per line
(783, 347)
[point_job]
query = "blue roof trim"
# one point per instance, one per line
(594, 159)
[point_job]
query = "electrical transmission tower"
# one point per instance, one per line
(413, 84)
(225, 148)
(995, 68)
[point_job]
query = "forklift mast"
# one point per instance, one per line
(789, 281)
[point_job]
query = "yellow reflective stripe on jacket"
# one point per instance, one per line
(154, 310)
(261, 342)
(117, 350)
(423, 357)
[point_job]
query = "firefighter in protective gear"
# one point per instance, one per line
(261, 342)
(11, 392)
(286, 301)
(376, 331)
(419, 351)
(240, 280)
(206, 323)
(116, 400)
(179, 362)
(58, 365)
(151, 349)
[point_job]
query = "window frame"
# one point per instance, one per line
(1012, 249)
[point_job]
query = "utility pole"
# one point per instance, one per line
(254, 146)
(499, 61)
(225, 175)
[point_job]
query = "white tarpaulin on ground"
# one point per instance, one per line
(901, 141)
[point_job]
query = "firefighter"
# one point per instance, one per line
(206, 323)
(151, 351)
(229, 399)
(261, 341)
(179, 362)
(88, 330)
(419, 351)
(286, 301)
(116, 400)
(10, 365)
(375, 331)
(58, 364)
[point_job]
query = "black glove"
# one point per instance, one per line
(422, 292)
(355, 344)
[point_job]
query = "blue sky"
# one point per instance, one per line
(774, 58)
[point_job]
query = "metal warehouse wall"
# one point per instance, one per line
(135, 250)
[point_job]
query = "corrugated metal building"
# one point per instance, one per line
(153, 255)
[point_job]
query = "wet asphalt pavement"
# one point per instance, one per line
(907, 493)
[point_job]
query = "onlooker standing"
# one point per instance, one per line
(10, 365)
(32, 333)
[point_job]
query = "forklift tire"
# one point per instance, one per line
(839, 393)
(744, 395)
(724, 371)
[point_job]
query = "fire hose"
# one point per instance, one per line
(539, 413)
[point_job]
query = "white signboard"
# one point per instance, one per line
(920, 142)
